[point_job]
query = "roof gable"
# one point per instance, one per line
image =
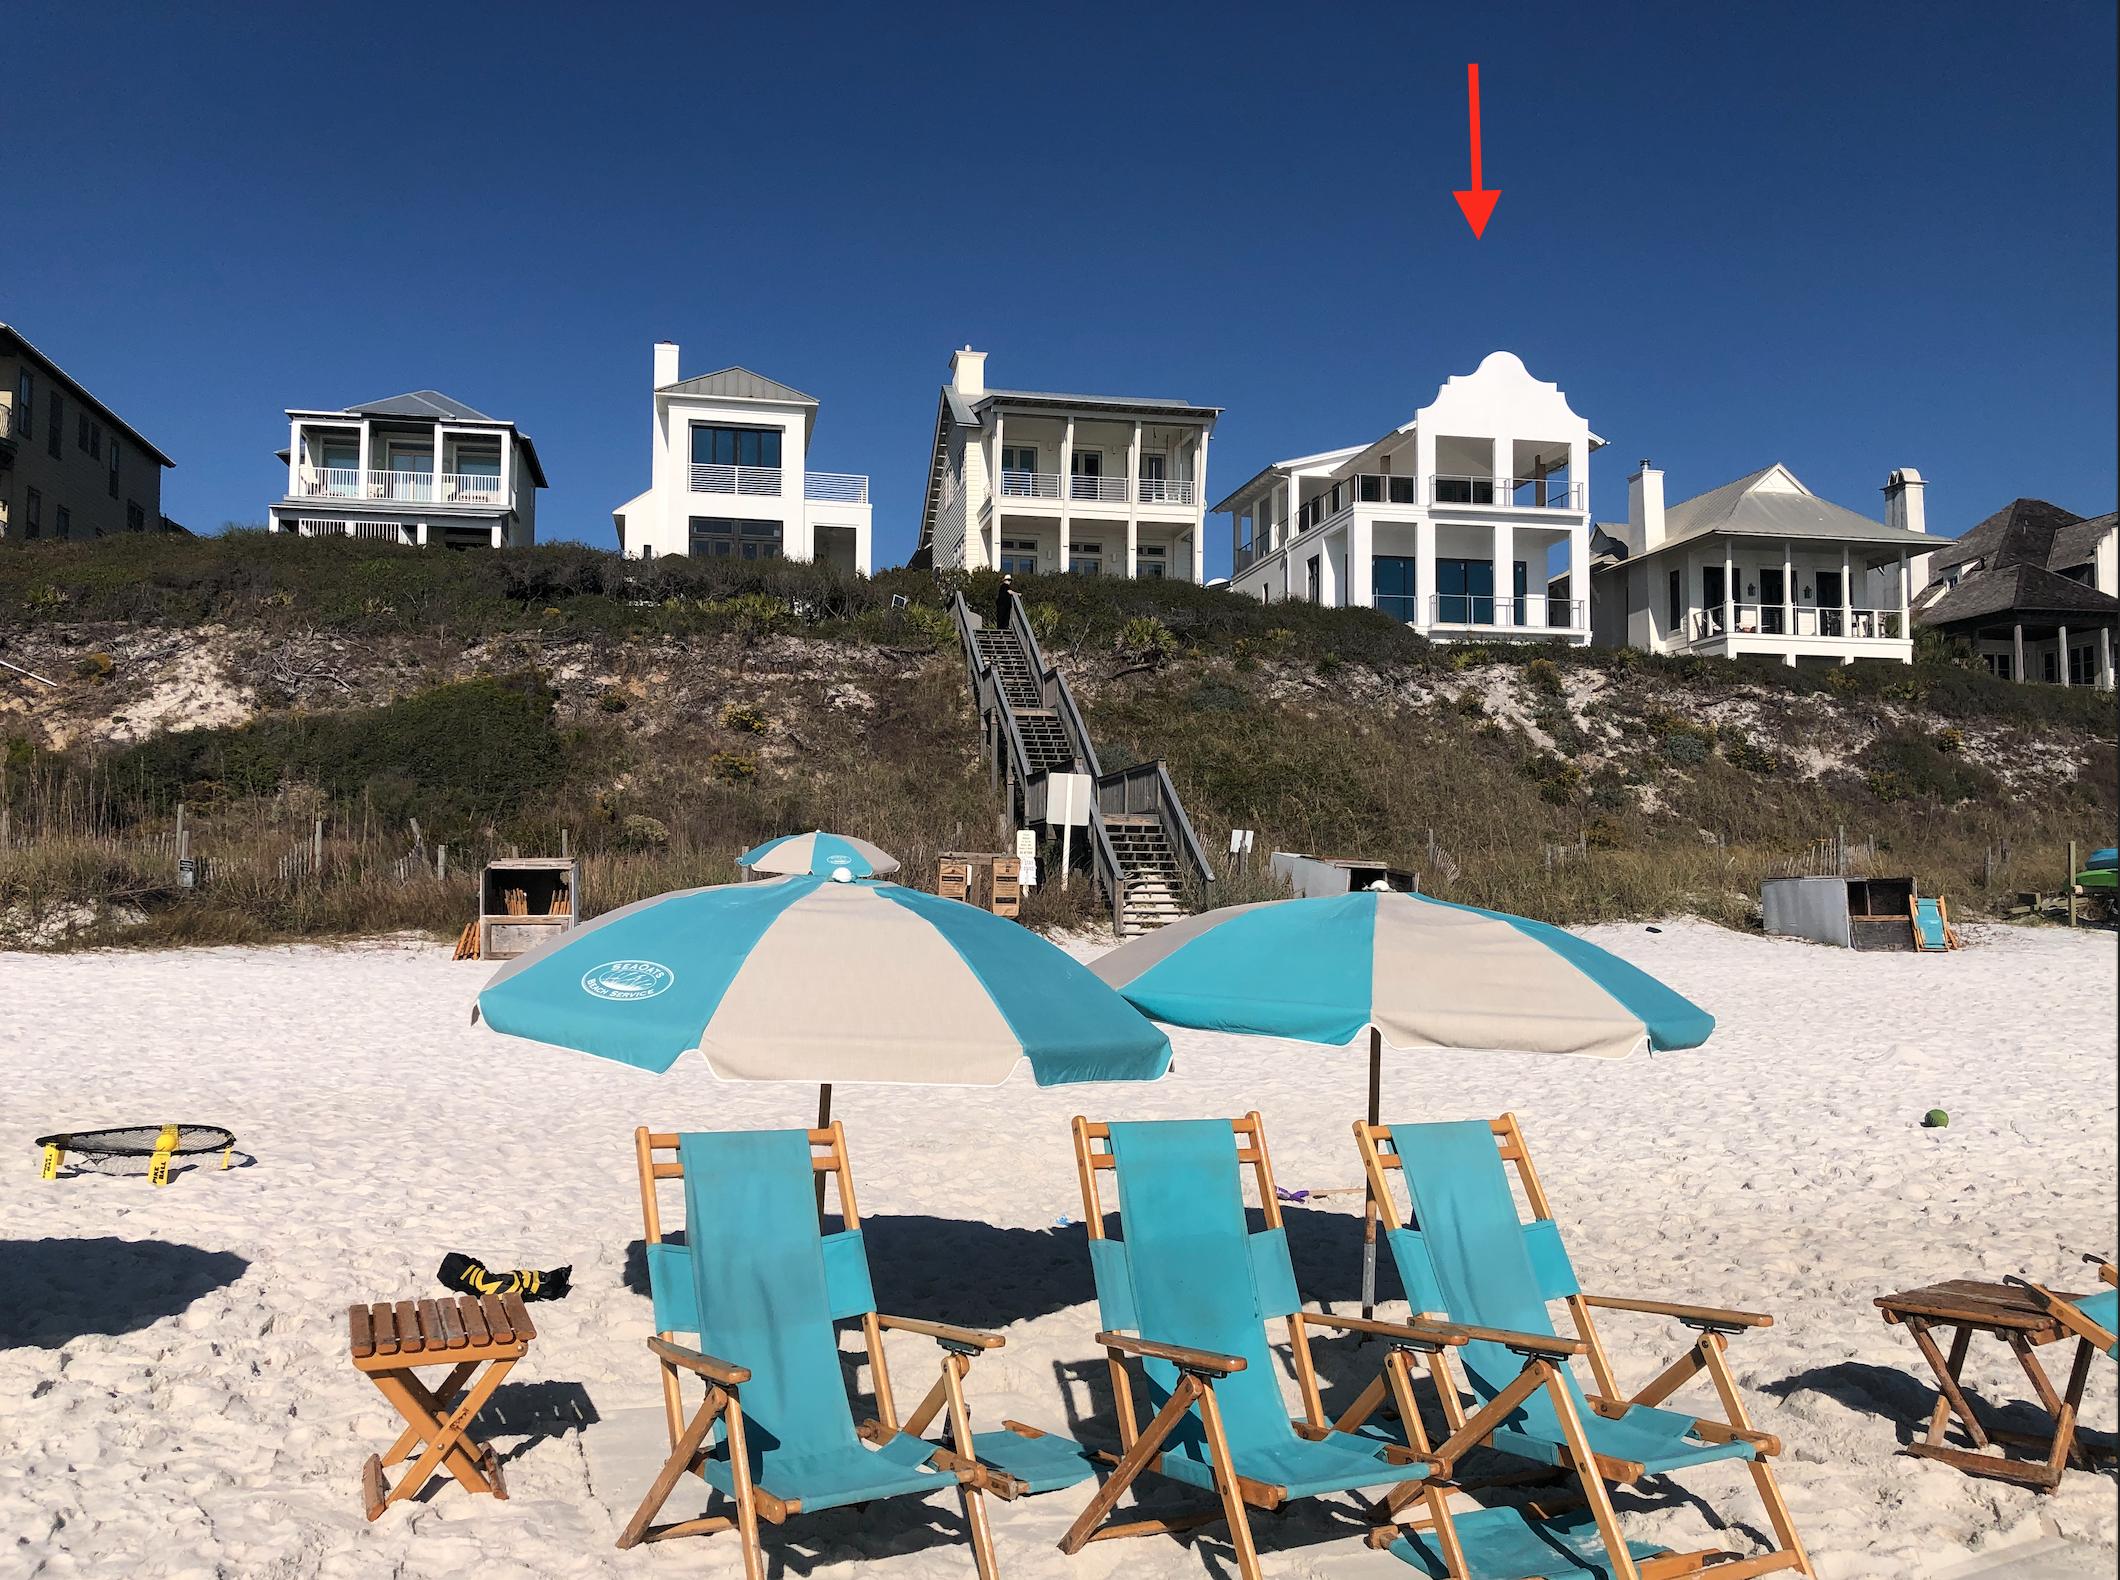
(735, 383)
(429, 404)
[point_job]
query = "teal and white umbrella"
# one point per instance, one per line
(819, 854)
(824, 981)
(1414, 972)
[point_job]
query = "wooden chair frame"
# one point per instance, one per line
(1707, 1355)
(1199, 1370)
(724, 1382)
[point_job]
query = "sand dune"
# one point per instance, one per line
(172, 1361)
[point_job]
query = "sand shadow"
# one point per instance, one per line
(534, 1412)
(1908, 1401)
(59, 1290)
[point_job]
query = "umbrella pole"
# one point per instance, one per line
(1369, 1200)
(824, 1120)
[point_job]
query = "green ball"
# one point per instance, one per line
(1935, 1119)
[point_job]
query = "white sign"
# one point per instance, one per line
(1067, 800)
(1239, 841)
(1027, 857)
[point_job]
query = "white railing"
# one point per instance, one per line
(471, 488)
(1102, 490)
(1773, 619)
(714, 478)
(1030, 485)
(1519, 493)
(840, 487)
(1537, 612)
(7, 422)
(378, 531)
(1165, 491)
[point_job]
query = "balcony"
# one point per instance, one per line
(1510, 493)
(1528, 615)
(845, 488)
(768, 482)
(1776, 620)
(9, 426)
(1096, 490)
(421, 488)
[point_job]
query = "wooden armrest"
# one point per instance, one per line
(1522, 1343)
(1692, 1316)
(707, 1366)
(1176, 1354)
(943, 1332)
(1420, 1335)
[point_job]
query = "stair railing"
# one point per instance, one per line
(989, 697)
(1145, 790)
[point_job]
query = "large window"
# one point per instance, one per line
(135, 517)
(1396, 586)
(1019, 556)
(66, 523)
(1675, 604)
(1085, 559)
(55, 425)
(1151, 562)
(735, 446)
(34, 527)
(730, 538)
(114, 466)
(2082, 666)
(1464, 592)
(25, 389)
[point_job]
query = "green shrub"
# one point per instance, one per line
(744, 718)
(1903, 766)
(1145, 642)
(1740, 751)
(638, 831)
(95, 667)
(732, 768)
(1544, 675)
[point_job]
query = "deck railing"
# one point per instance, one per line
(1520, 493)
(838, 487)
(715, 478)
(396, 487)
(1097, 490)
(1800, 620)
(1537, 612)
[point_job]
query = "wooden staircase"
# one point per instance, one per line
(1012, 666)
(1154, 888)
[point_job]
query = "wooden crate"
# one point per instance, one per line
(988, 879)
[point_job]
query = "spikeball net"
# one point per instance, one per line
(133, 1149)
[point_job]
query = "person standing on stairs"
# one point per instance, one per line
(1001, 600)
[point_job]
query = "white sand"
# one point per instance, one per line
(186, 1409)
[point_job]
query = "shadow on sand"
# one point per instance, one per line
(55, 1291)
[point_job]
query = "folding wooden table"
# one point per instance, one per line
(391, 1342)
(1968, 1306)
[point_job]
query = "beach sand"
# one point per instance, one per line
(173, 1362)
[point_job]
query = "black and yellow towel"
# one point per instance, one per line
(474, 1277)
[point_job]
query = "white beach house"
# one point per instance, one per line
(1035, 483)
(1760, 566)
(419, 468)
(729, 475)
(1451, 522)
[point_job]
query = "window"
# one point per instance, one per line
(1998, 665)
(95, 441)
(81, 430)
(1150, 561)
(1085, 470)
(34, 526)
(66, 522)
(1085, 559)
(135, 517)
(55, 430)
(1675, 603)
(114, 466)
(728, 538)
(25, 388)
(1464, 592)
(1314, 581)
(1395, 585)
(735, 446)
(2050, 666)
(1772, 587)
(1019, 556)
(2082, 666)
(1155, 484)
(1712, 588)
(1019, 458)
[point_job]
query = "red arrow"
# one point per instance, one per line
(1478, 204)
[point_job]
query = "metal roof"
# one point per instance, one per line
(9, 332)
(734, 383)
(1176, 408)
(430, 404)
(1773, 503)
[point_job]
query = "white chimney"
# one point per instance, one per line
(1645, 509)
(968, 373)
(665, 363)
(1903, 507)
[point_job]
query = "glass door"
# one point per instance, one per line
(1773, 588)
(1464, 592)
(1393, 580)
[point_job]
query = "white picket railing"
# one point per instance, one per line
(378, 531)
(838, 487)
(470, 488)
(710, 477)
(1773, 619)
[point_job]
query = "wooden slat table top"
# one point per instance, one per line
(1976, 1303)
(386, 1336)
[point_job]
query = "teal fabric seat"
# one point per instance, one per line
(1471, 1259)
(1501, 1544)
(761, 1287)
(1042, 1464)
(2103, 1308)
(1189, 1272)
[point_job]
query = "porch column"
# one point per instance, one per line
(1424, 605)
(1199, 487)
(1133, 502)
(1067, 488)
(496, 534)
(1295, 503)
(434, 488)
(360, 489)
(508, 470)
(1847, 607)
(1906, 599)
(1788, 591)
(1361, 546)
(1504, 552)
(2105, 657)
(1579, 579)
(2017, 652)
(1729, 597)
(297, 458)
(991, 545)
(1501, 464)
(2061, 654)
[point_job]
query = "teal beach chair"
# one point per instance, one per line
(1466, 1256)
(1186, 1292)
(763, 1287)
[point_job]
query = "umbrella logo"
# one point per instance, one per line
(625, 980)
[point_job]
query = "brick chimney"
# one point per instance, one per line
(665, 363)
(1645, 508)
(968, 373)
(1903, 507)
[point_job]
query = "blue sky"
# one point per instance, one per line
(1847, 237)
